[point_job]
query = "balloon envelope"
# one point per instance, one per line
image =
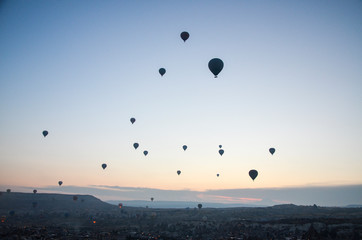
(217, 175)
(162, 71)
(104, 166)
(253, 174)
(132, 120)
(135, 145)
(35, 191)
(45, 133)
(75, 198)
(272, 150)
(220, 146)
(184, 147)
(185, 36)
(178, 172)
(152, 199)
(145, 153)
(60, 183)
(215, 66)
(221, 152)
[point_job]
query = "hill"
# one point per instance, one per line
(22, 202)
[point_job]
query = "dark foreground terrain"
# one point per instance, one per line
(58, 216)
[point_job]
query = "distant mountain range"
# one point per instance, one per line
(178, 204)
(50, 202)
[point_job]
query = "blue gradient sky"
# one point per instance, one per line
(81, 69)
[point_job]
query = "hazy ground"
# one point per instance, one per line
(58, 216)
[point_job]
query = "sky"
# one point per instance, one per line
(292, 80)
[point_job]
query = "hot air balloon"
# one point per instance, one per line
(145, 153)
(60, 183)
(184, 147)
(199, 205)
(220, 146)
(221, 152)
(152, 199)
(185, 36)
(253, 174)
(217, 175)
(132, 120)
(75, 198)
(45, 133)
(178, 172)
(35, 191)
(215, 66)
(104, 166)
(8, 190)
(272, 150)
(120, 205)
(162, 71)
(135, 145)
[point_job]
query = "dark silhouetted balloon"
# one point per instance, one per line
(178, 172)
(45, 133)
(272, 150)
(162, 71)
(132, 120)
(253, 174)
(136, 145)
(8, 190)
(217, 175)
(220, 146)
(120, 205)
(221, 152)
(145, 153)
(184, 147)
(60, 183)
(104, 166)
(199, 205)
(185, 36)
(152, 199)
(75, 198)
(215, 66)
(35, 191)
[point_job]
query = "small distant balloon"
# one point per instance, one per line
(152, 199)
(178, 172)
(199, 205)
(136, 145)
(60, 183)
(145, 153)
(120, 205)
(104, 166)
(215, 66)
(162, 71)
(45, 133)
(221, 152)
(185, 36)
(217, 175)
(35, 191)
(75, 198)
(253, 174)
(184, 147)
(220, 146)
(132, 120)
(272, 150)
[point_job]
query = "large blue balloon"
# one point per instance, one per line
(45, 133)
(184, 147)
(253, 174)
(221, 152)
(104, 166)
(215, 66)
(135, 145)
